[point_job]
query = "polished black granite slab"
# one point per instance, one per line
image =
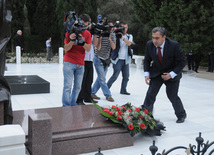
(78, 129)
(27, 84)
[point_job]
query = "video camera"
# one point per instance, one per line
(101, 28)
(118, 29)
(73, 24)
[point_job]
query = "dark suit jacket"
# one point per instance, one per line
(18, 41)
(173, 59)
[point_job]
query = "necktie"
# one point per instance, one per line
(159, 55)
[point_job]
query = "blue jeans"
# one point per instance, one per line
(101, 78)
(120, 66)
(72, 73)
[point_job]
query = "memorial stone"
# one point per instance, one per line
(40, 134)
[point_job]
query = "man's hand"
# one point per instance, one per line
(113, 45)
(109, 38)
(80, 41)
(72, 36)
(166, 76)
(147, 80)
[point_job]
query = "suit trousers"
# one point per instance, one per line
(171, 91)
(85, 93)
(49, 53)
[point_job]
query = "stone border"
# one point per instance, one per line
(55, 59)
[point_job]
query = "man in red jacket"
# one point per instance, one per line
(73, 67)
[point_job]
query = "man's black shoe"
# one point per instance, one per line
(81, 103)
(126, 93)
(182, 119)
(91, 101)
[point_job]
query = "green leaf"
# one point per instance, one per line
(105, 114)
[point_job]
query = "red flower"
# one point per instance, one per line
(118, 109)
(113, 107)
(119, 117)
(129, 110)
(119, 112)
(130, 126)
(110, 112)
(123, 107)
(140, 117)
(129, 117)
(105, 109)
(142, 125)
(137, 109)
(146, 111)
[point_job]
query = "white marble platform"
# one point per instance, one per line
(196, 94)
(12, 139)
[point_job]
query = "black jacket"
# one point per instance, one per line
(173, 59)
(18, 41)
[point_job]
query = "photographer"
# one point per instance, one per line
(106, 42)
(85, 93)
(122, 59)
(73, 67)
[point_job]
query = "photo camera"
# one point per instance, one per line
(101, 28)
(118, 29)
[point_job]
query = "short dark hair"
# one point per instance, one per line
(85, 17)
(123, 22)
(162, 30)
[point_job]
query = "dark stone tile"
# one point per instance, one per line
(27, 84)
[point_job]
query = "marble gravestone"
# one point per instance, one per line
(28, 84)
(40, 134)
(12, 139)
(75, 129)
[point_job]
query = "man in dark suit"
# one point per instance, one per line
(163, 64)
(19, 40)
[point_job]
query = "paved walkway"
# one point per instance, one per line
(202, 73)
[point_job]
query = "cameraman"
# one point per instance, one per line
(73, 67)
(85, 93)
(102, 61)
(121, 63)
